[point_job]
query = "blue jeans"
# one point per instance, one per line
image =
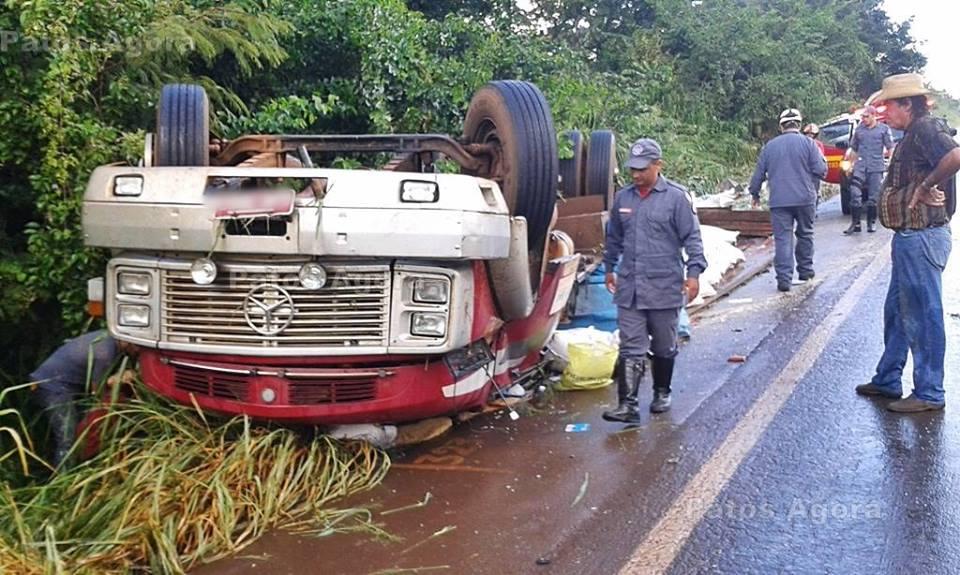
(913, 313)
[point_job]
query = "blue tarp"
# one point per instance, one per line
(595, 307)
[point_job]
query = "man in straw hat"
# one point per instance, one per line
(793, 167)
(916, 202)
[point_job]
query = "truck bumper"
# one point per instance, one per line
(315, 391)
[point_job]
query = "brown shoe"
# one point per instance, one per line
(911, 404)
(875, 390)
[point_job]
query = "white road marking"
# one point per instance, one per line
(665, 541)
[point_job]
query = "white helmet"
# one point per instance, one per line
(790, 115)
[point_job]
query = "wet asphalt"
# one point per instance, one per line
(833, 484)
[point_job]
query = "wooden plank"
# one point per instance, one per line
(753, 223)
(579, 205)
(586, 230)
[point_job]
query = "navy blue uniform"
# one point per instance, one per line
(647, 237)
(793, 167)
(869, 144)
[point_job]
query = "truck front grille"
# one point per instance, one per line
(302, 391)
(351, 310)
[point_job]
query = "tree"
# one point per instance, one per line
(79, 79)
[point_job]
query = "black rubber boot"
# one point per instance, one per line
(628, 374)
(871, 219)
(662, 368)
(854, 222)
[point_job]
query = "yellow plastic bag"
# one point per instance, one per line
(590, 366)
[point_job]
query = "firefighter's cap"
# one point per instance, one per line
(791, 115)
(644, 152)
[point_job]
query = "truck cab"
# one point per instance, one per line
(256, 282)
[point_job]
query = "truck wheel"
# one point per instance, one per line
(844, 194)
(602, 166)
(183, 126)
(515, 117)
(572, 169)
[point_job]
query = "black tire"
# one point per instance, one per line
(515, 116)
(844, 194)
(183, 127)
(572, 170)
(602, 166)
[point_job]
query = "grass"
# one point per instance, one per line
(171, 489)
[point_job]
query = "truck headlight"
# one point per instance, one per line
(428, 324)
(203, 271)
(412, 191)
(133, 315)
(313, 276)
(429, 290)
(133, 283)
(127, 186)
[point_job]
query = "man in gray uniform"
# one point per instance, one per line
(793, 167)
(865, 153)
(651, 221)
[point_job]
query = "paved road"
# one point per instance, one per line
(770, 466)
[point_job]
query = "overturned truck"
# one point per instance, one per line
(257, 281)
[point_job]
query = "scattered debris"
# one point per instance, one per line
(516, 390)
(587, 355)
(736, 358)
(422, 431)
(583, 489)
(577, 427)
(720, 249)
(436, 534)
(381, 436)
(417, 505)
(411, 570)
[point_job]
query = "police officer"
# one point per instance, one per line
(793, 166)
(651, 221)
(865, 154)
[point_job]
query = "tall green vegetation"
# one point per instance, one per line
(169, 490)
(79, 81)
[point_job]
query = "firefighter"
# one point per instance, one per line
(865, 155)
(62, 380)
(651, 221)
(793, 167)
(812, 131)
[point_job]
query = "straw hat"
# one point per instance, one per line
(900, 86)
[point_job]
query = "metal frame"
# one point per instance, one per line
(478, 158)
